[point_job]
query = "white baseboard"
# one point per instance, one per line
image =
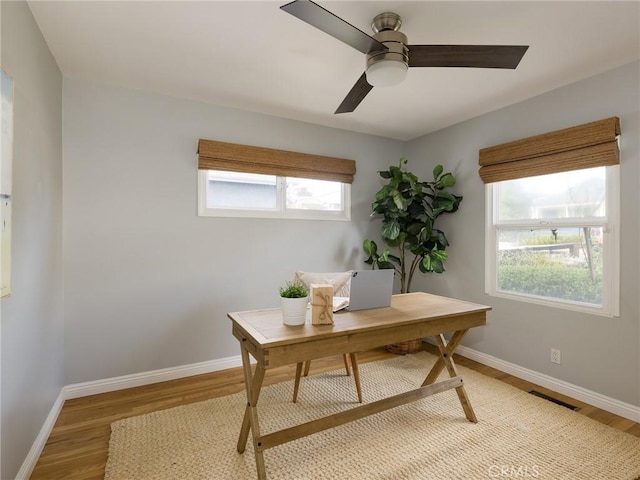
(38, 445)
(77, 390)
(603, 402)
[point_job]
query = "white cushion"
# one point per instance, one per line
(341, 281)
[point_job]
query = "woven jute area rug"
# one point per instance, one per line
(518, 435)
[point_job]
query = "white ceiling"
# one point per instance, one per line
(253, 56)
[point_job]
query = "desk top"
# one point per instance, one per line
(265, 327)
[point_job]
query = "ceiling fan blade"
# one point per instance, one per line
(324, 20)
(355, 95)
(475, 56)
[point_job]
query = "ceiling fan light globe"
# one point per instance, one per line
(386, 73)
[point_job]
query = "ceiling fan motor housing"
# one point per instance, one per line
(385, 27)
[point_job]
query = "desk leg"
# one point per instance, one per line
(446, 360)
(253, 384)
(296, 384)
(356, 374)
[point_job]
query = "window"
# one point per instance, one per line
(553, 238)
(244, 181)
(234, 194)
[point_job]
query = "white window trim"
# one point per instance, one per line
(279, 212)
(611, 256)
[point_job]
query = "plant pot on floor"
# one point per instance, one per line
(402, 348)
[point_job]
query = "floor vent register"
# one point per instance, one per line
(554, 400)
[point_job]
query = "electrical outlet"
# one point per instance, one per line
(555, 356)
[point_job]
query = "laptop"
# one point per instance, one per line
(370, 289)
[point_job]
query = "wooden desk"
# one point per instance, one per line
(262, 335)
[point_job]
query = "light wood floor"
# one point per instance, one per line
(78, 445)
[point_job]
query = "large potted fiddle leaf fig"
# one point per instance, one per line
(409, 209)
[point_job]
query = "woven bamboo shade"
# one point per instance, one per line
(213, 155)
(585, 146)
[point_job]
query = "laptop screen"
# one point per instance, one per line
(371, 289)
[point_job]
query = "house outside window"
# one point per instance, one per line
(552, 218)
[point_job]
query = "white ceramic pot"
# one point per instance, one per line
(294, 310)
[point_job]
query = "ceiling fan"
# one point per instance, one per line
(389, 55)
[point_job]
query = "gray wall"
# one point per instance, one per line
(148, 283)
(598, 353)
(32, 325)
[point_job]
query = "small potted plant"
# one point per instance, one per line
(293, 300)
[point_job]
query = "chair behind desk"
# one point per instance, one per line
(341, 282)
